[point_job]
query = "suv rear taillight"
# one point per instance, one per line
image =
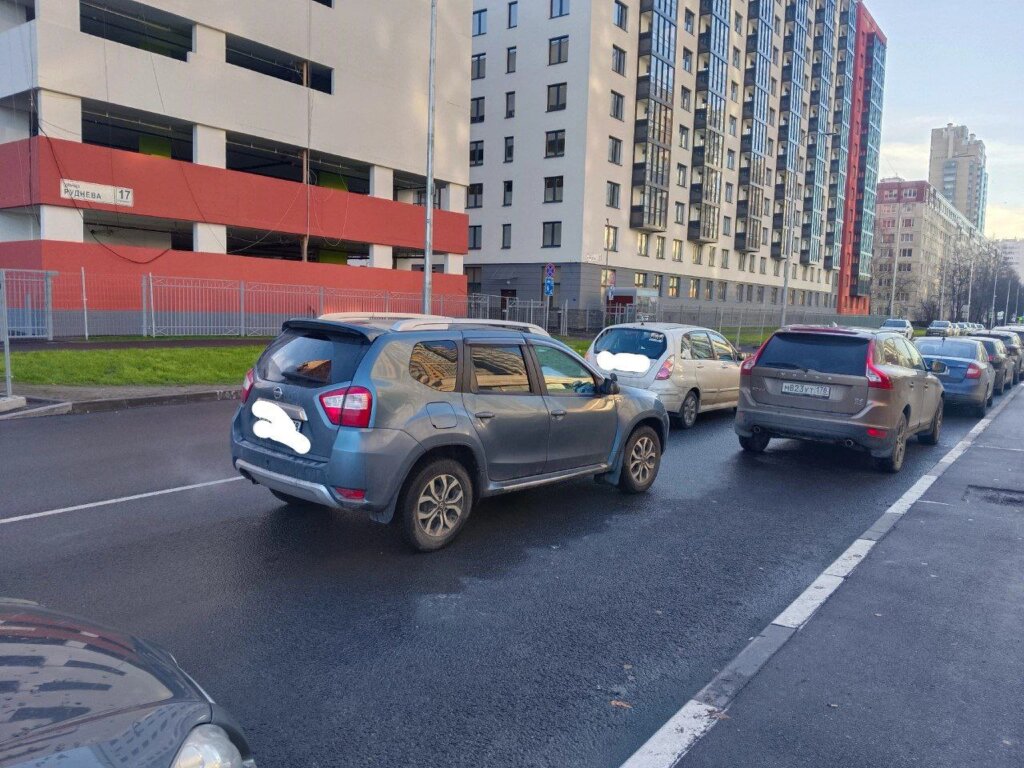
(666, 369)
(973, 372)
(348, 406)
(877, 378)
(247, 383)
(748, 365)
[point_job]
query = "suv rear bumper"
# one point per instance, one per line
(301, 489)
(816, 428)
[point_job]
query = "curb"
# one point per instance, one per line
(121, 403)
(670, 744)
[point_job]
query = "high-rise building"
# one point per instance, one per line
(152, 132)
(957, 169)
(672, 150)
(1013, 250)
(865, 41)
(918, 236)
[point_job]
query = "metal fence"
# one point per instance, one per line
(47, 305)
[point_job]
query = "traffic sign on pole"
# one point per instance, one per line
(549, 270)
(549, 286)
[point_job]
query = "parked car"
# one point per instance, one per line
(692, 370)
(1000, 360)
(969, 378)
(860, 388)
(417, 417)
(940, 328)
(897, 325)
(77, 694)
(1014, 348)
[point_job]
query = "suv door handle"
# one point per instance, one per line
(558, 414)
(484, 415)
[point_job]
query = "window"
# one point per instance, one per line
(510, 148)
(553, 189)
(688, 21)
(743, 262)
(725, 259)
(673, 287)
(709, 290)
(611, 238)
(478, 67)
(558, 50)
(728, 192)
(562, 374)
(680, 175)
(694, 291)
(764, 266)
(559, 8)
(506, 194)
(479, 22)
(435, 364)
(614, 150)
(510, 104)
(475, 196)
(639, 279)
(753, 263)
(506, 235)
(656, 283)
(474, 237)
(723, 289)
(554, 143)
(238, 51)
(732, 125)
(476, 110)
(476, 152)
(686, 98)
(642, 244)
(677, 250)
(734, 91)
(696, 256)
(618, 105)
(499, 369)
(680, 213)
(510, 59)
(513, 15)
(711, 256)
(730, 160)
(775, 295)
(726, 225)
(736, 57)
(618, 60)
(552, 237)
(620, 15)
(723, 349)
(612, 195)
(659, 249)
(684, 137)
(739, 293)
(687, 60)
(607, 278)
(556, 97)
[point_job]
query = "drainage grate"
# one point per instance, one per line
(1005, 496)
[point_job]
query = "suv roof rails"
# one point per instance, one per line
(408, 321)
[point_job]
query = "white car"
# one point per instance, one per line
(691, 369)
(899, 326)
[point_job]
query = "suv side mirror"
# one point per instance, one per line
(938, 367)
(609, 385)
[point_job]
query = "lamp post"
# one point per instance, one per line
(970, 284)
(995, 282)
(428, 244)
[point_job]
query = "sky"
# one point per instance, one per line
(962, 62)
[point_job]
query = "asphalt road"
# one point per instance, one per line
(335, 645)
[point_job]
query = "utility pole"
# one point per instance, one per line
(970, 284)
(895, 253)
(787, 236)
(995, 282)
(428, 245)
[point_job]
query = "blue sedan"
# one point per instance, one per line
(969, 378)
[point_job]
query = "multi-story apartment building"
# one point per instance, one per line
(677, 150)
(957, 168)
(919, 236)
(180, 133)
(1013, 250)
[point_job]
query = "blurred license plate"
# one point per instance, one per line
(807, 390)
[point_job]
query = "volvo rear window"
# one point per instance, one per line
(632, 341)
(965, 349)
(824, 353)
(894, 324)
(312, 358)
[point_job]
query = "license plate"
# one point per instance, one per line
(806, 390)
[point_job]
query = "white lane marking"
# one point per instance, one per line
(939, 503)
(1000, 448)
(811, 599)
(120, 500)
(849, 560)
(676, 737)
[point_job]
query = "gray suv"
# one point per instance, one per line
(414, 418)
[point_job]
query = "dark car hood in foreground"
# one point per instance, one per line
(95, 697)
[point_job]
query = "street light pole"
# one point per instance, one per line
(995, 282)
(787, 235)
(428, 244)
(895, 253)
(970, 286)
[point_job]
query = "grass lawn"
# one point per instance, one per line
(134, 366)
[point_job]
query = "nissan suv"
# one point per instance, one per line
(414, 418)
(864, 389)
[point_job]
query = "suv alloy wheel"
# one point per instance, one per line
(435, 504)
(894, 462)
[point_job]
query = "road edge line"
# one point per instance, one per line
(696, 717)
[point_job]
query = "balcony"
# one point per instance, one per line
(787, 72)
(747, 143)
(703, 42)
(700, 119)
(703, 80)
(750, 77)
(785, 103)
(696, 194)
(699, 156)
(777, 221)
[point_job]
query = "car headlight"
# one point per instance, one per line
(208, 746)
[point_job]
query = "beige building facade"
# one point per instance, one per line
(957, 168)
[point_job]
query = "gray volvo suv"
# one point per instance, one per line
(413, 418)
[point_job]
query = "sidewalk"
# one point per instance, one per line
(45, 400)
(918, 659)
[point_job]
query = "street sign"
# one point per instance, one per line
(549, 286)
(549, 271)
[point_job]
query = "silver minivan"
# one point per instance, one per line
(691, 369)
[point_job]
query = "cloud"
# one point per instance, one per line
(904, 159)
(1004, 221)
